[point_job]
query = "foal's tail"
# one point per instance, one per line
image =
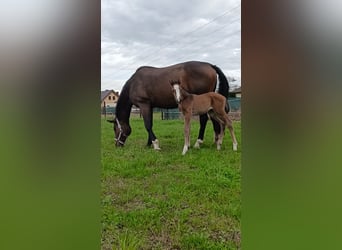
(223, 87)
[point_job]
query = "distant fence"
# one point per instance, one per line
(172, 114)
(234, 103)
(107, 111)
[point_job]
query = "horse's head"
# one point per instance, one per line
(121, 132)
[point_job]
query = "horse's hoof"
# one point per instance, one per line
(198, 143)
(235, 146)
(156, 144)
(185, 149)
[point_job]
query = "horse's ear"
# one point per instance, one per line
(111, 121)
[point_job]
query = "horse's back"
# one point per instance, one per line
(198, 77)
(152, 84)
(216, 97)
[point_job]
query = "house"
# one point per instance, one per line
(109, 98)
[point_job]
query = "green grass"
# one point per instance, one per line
(164, 200)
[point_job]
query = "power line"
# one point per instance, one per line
(194, 30)
(196, 51)
(192, 43)
(174, 40)
(201, 39)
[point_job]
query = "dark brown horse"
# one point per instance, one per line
(149, 87)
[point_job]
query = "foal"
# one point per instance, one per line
(212, 103)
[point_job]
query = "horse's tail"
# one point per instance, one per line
(223, 87)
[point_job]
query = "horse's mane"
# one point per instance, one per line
(124, 103)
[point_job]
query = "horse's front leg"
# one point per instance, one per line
(186, 147)
(147, 114)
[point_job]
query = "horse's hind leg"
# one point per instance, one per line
(218, 128)
(203, 122)
(220, 137)
(146, 112)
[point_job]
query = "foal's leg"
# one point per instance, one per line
(203, 122)
(187, 125)
(220, 137)
(146, 112)
(218, 127)
(229, 124)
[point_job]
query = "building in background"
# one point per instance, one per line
(109, 98)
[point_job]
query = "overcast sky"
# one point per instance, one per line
(164, 32)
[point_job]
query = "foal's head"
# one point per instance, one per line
(176, 90)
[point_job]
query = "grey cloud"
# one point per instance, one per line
(160, 33)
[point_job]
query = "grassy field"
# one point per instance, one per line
(163, 200)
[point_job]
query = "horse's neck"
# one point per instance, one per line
(123, 107)
(124, 114)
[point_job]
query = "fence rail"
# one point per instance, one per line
(171, 114)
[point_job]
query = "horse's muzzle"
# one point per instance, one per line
(119, 143)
